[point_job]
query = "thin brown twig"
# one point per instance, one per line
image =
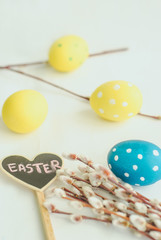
(112, 210)
(82, 198)
(83, 217)
(49, 83)
(149, 116)
(134, 194)
(78, 198)
(46, 62)
(102, 220)
(109, 212)
(64, 89)
(23, 64)
(128, 208)
(77, 188)
(107, 52)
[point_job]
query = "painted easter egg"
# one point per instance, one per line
(68, 53)
(116, 100)
(24, 111)
(136, 162)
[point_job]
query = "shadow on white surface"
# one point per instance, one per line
(90, 118)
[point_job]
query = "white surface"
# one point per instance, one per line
(27, 29)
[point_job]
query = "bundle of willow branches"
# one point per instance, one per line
(117, 204)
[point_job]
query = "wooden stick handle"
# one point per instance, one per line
(45, 217)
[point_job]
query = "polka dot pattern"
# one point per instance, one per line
(99, 95)
(124, 104)
(117, 87)
(129, 150)
(136, 162)
(110, 166)
(156, 153)
(116, 158)
(119, 100)
(142, 179)
(126, 174)
(68, 53)
(155, 168)
(135, 167)
(140, 156)
(112, 101)
(101, 110)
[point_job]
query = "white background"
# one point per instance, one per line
(27, 29)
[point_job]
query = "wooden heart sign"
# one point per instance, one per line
(36, 174)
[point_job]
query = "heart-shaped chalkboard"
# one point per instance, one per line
(36, 174)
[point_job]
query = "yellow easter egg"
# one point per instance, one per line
(116, 100)
(68, 53)
(24, 111)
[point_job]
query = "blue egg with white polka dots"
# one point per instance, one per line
(136, 162)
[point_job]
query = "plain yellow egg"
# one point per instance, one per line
(68, 53)
(116, 100)
(24, 111)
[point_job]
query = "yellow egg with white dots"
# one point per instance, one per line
(116, 100)
(68, 53)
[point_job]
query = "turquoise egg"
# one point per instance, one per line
(136, 162)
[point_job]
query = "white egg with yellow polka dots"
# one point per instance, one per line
(116, 100)
(136, 162)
